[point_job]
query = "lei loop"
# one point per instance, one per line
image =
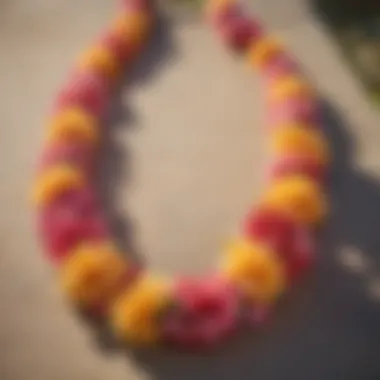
(277, 240)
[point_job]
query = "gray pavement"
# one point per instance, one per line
(184, 165)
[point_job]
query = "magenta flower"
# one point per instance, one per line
(297, 165)
(77, 154)
(291, 241)
(205, 312)
(85, 90)
(72, 219)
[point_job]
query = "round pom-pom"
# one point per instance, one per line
(292, 242)
(255, 269)
(71, 220)
(136, 314)
(78, 155)
(204, 312)
(302, 165)
(93, 274)
(85, 90)
(299, 197)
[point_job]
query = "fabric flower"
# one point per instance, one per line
(297, 164)
(298, 197)
(292, 242)
(255, 269)
(289, 86)
(297, 139)
(102, 62)
(56, 181)
(74, 154)
(204, 312)
(73, 124)
(93, 274)
(303, 110)
(263, 51)
(136, 313)
(86, 90)
(72, 219)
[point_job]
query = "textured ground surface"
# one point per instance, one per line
(183, 166)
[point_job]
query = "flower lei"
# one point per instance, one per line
(276, 245)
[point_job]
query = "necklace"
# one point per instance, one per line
(276, 244)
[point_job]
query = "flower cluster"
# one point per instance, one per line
(276, 244)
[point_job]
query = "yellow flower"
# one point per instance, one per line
(302, 140)
(299, 197)
(133, 27)
(73, 124)
(263, 51)
(135, 315)
(255, 269)
(102, 61)
(289, 86)
(55, 181)
(92, 274)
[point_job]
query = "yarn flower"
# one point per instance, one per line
(204, 312)
(72, 219)
(136, 313)
(101, 61)
(55, 182)
(72, 125)
(292, 242)
(297, 139)
(263, 51)
(255, 269)
(299, 197)
(93, 274)
(86, 90)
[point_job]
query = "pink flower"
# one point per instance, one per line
(72, 219)
(205, 312)
(236, 29)
(294, 110)
(280, 66)
(85, 90)
(77, 154)
(295, 164)
(114, 43)
(293, 242)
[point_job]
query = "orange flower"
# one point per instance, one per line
(289, 86)
(73, 124)
(263, 51)
(135, 315)
(298, 139)
(55, 181)
(92, 274)
(299, 197)
(255, 269)
(133, 27)
(100, 60)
